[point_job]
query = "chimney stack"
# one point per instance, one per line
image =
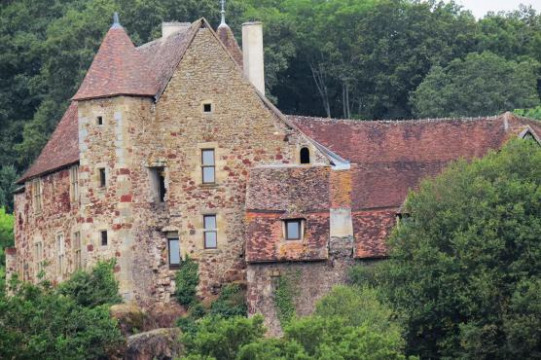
(169, 28)
(252, 51)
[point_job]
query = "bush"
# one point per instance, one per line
(39, 323)
(232, 302)
(92, 289)
(187, 280)
(6, 234)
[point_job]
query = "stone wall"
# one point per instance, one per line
(57, 217)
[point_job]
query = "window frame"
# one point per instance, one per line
(305, 149)
(77, 253)
(210, 230)
(61, 253)
(300, 223)
(173, 237)
(74, 184)
(37, 194)
(38, 257)
(204, 166)
(104, 236)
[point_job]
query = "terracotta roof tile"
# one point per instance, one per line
(117, 69)
(392, 157)
(61, 150)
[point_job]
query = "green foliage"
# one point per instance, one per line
(482, 84)
(221, 339)
(231, 302)
(8, 176)
(99, 287)
(533, 113)
(284, 297)
(464, 268)
(40, 323)
(6, 234)
(187, 279)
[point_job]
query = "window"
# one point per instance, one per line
(173, 246)
(104, 238)
(36, 194)
(208, 166)
(99, 120)
(74, 184)
(38, 257)
(157, 180)
(305, 155)
(77, 260)
(103, 177)
(210, 232)
(60, 247)
(293, 229)
(207, 107)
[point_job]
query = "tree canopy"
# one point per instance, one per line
(465, 266)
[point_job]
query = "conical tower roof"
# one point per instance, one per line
(117, 69)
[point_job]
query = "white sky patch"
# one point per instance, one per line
(480, 8)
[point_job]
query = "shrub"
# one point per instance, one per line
(187, 279)
(95, 288)
(232, 302)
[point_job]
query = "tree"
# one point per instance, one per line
(40, 322)
(465, 266)
(6, 235)
(482, 84)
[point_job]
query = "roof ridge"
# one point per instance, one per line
(405, 121)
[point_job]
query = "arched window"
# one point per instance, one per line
(305, 155)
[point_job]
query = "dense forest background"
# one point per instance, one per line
(364, 59)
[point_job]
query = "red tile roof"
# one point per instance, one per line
(117, 69)
(390, 157)
(62, 149)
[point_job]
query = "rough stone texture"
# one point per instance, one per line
(130, 318)
(159, 344)
(313, 280)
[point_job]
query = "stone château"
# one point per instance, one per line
(171, 149)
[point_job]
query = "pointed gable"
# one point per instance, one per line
(117, 69)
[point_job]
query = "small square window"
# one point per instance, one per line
(293, 229)
(207, 108)
(103, 177)
(99, 120)
(104, 239)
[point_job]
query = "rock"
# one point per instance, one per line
(163, 315)
(159, 344)
(130, 318)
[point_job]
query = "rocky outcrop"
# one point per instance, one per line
(159, 344)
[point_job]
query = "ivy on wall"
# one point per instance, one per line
(285, 291)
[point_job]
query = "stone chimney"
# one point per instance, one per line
(169, 28)
(252, 51)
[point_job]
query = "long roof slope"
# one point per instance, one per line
(391, 157)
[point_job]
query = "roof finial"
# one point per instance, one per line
(223, 12)
(116, 21)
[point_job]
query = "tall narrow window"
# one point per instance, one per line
(157, 180)
(210, 232)
(99, 120)
(74, 183)
(208, 166)
(103, 177)
(38, 257)
(293, 229)
(36, 194)
(305, 155)
(61, 253)
(104, 240)
(77, 259)
(173, 247)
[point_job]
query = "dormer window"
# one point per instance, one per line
(293, 229)
(305, 155)
(207, 108)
